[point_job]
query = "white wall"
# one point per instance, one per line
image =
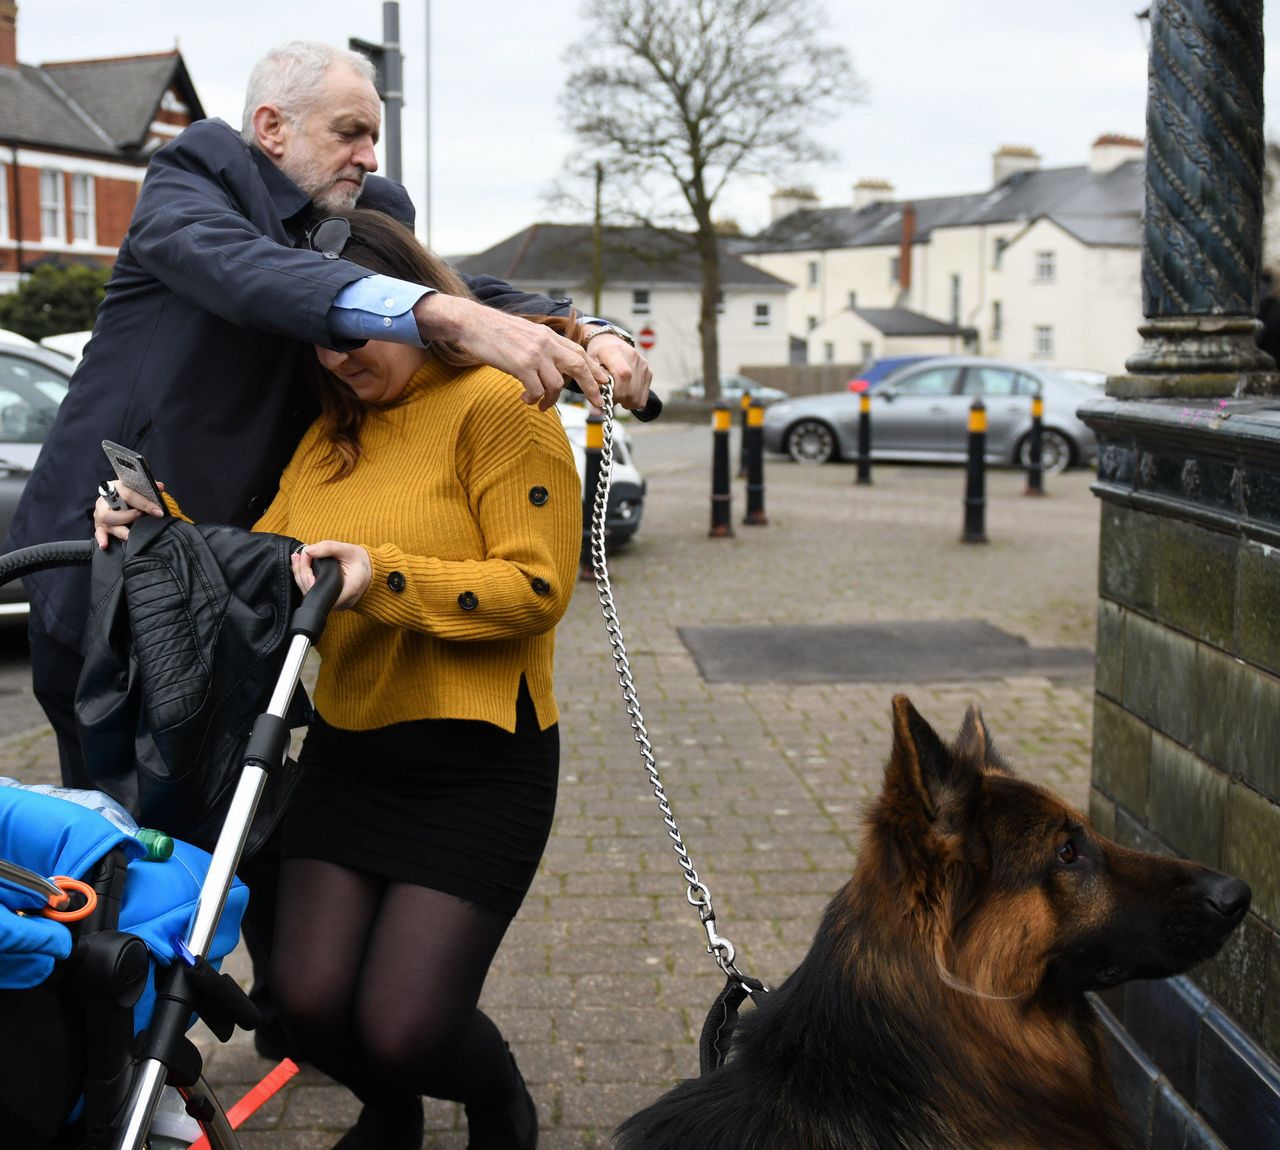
(1093, 304)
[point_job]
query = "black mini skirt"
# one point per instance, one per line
(457, 805)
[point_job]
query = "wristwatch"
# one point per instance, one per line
(611, 329)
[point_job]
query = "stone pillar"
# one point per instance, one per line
(1203, 228)
(1186, 744)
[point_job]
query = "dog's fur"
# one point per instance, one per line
(941, 1005)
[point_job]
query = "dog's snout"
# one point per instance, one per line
(1229, 897)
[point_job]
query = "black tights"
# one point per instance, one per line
(377, 983)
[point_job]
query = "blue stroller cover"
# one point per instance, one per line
(53, 837)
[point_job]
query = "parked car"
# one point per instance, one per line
(33, 381)
(732, 388)
(627, 491)
(69, 343)
(922, 412)
(881, 368)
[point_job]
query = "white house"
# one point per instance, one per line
(1043, 266)
(651, 287)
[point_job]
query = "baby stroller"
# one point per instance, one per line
(106, 958)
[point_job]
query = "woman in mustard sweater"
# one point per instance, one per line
(431, 766)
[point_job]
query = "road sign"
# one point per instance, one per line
(645, 337)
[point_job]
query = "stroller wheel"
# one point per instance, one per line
(203, 1105)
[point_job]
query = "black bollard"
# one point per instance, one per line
(975, 498)
(745, 404)
(1035, 449)
(590, 481)
(864, 439)
(753, 435)
(721, 495)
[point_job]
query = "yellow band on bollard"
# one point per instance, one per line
(720, 419)
(745, 401)
(755, 416)
(864, 402)
(595, 435)
(977, 419)
(1037, 407)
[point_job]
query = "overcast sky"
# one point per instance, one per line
(948, 83)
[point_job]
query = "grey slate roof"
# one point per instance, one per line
(560, 254)
(100, 107)
(1097, 207)
(903, 321)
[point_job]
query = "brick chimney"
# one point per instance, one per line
(8, 33)
(904, 249)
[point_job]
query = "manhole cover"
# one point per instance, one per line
(872, 653)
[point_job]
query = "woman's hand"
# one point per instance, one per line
(351, 557)
(113, 519)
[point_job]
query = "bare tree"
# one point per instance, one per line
(699, 92)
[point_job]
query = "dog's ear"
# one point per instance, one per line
(923, 772)
(920, 763)
(974, 745)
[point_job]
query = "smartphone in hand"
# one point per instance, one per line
(132, 471)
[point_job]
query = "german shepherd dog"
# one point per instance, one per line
(942, 1003)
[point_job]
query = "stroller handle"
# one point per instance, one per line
(310, 615)
(44, 556)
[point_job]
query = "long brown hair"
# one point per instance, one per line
(387, 247)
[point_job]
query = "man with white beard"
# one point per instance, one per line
(217, 294)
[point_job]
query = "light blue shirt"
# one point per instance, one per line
(377, 307)
(381, 307)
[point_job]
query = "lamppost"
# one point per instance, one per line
(388, 64)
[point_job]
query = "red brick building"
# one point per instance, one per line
(75, 138)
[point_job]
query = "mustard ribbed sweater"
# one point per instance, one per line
(469, 505)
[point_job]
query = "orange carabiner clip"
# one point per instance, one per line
(56, 910)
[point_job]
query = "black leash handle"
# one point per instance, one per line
(722, 1019)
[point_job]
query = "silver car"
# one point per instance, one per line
(33, 381)
(922, 413)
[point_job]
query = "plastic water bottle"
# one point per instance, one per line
(159, 846)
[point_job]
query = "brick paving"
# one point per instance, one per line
(603, 981)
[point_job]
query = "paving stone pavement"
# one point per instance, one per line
(603, 981)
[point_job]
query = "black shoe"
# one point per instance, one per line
(386, 1126)
(515, 1128)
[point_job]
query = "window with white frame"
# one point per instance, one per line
(4, 201)
(640, 301)
(997, 256)
(813, 273)
(84, 215)
(997, 319)
(1042, 344)
(895, 268)
(1046, 267)
(763, 318)
(53, 215)
(867, 352)
(955, 297)
(828, 352)
(811, 321)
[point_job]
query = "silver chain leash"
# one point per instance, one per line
(698, 893)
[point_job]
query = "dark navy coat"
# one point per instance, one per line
(195, 354)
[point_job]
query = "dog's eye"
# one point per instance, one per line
(1067, 852)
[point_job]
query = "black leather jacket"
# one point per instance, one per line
(187, 631)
